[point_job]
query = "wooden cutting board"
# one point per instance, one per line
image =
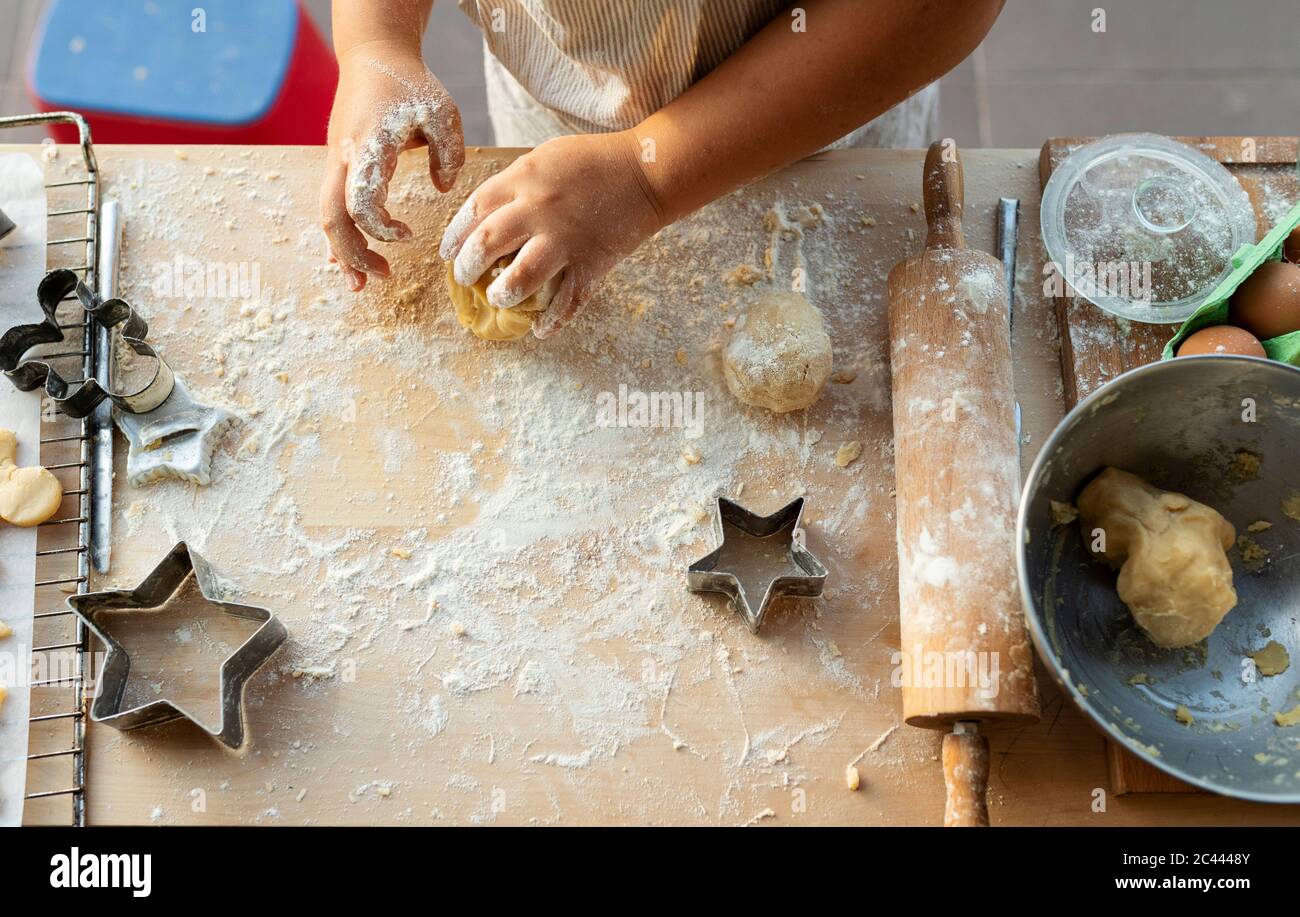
(624, 701)
(1095, 348)
(337, 740)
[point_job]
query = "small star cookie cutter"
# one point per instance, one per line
(703, 575)
(78, 399)
(175, 440)
(153, 592)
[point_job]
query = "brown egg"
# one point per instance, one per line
(1222, 339)
(1268, 303)
(1291, 247)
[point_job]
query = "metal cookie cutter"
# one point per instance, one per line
(153, 592)
(77, 399)
(175, 440)
(782, 526)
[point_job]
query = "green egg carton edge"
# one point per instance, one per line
(1214, 311)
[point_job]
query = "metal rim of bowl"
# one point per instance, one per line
(1033, 614)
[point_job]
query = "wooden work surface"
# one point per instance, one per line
(745, 729)
(1095, 348)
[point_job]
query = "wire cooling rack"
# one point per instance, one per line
(56, 759)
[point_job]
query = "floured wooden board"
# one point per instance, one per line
(1096, 347)
(484, 588)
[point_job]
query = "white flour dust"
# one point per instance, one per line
(478, 577)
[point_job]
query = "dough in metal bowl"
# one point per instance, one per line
(1171, 552)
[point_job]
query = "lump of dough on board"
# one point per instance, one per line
(485, 320)
(1171, 552)
(28, 496)
(779, 356)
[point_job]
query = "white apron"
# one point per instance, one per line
(556, 67)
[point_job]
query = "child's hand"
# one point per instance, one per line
(574, 205)
(387, 101)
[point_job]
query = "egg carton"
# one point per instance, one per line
(1245, 261)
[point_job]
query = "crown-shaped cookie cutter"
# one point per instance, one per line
(237, 668)
(78, 399)
(704, 576)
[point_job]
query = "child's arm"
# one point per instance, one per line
(357, 22)
(579, 204)
(387, 101)
(786, 94)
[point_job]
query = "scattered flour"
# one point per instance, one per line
(477, 574)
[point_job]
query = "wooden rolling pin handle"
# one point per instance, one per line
(966, 775)
(944, 189)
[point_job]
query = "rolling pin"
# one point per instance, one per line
(965, 657)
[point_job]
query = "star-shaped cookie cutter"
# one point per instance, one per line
(78, 399)
(703, 575)
(152, 593)
(175, 440)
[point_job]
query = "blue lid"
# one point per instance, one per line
(219, 62)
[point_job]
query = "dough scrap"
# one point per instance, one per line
(485, 320)
(28, 496)
(1289, 718)
(852, 779)
(1254, 556)
(1244, 466)
(1272, 659)
(1171, 552)
(1063, 513)
(779, 356)
(848, 453)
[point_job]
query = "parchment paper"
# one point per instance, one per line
(22, 262)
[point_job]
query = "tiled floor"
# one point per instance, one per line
(1169, 66)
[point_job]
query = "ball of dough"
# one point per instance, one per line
(485, 320)
(779, 356)
(28, 496)
(1171, 552)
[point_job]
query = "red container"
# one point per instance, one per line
(293, 100)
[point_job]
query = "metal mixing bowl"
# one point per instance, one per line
(1178, 424)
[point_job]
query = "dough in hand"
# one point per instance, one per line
(779, 357)
(1171, 552)
(28, 496)
(485, 320)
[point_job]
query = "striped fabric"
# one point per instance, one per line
(558, 67)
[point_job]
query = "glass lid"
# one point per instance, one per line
(1143, 226)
